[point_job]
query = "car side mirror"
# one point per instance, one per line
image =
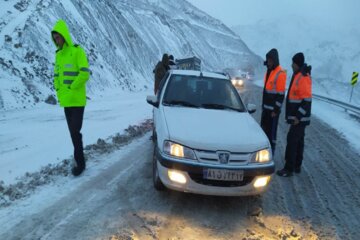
(153, 100)
(251, 108)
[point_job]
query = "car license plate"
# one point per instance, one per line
(223, 174)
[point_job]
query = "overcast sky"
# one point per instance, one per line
(244, 12)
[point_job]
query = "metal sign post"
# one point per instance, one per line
(353, 82)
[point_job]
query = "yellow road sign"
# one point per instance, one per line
(354, 78)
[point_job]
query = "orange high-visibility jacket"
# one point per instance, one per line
(274, 90)
(298, 101)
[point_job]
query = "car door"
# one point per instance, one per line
(157, 112)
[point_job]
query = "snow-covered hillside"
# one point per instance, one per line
(333, 51)
(123, 39)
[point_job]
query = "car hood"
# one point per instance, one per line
(208, 129)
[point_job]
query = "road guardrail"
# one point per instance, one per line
(346, 106)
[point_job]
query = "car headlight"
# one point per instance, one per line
(262, 156)
(177, 150)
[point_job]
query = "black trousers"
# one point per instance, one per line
(295, 147)
(74, 119)
(269, 125)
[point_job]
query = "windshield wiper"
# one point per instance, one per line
(219, 106)
(181, 103)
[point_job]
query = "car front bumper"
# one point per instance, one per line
(195, 183)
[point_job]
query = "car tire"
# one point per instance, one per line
(158, 185)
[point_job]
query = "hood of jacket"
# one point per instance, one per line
(274, 55)
(61, 28)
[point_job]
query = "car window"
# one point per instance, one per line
(202, 92)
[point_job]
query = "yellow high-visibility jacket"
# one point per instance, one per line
(71, 70)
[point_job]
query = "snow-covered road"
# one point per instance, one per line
(119, 202)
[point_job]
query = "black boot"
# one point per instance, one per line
(284, 173)
(76, 171)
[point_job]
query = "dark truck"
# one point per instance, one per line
(192, 63)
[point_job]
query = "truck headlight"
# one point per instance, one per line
(262, 156)
(177, 150)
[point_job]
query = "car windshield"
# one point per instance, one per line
(202, 92)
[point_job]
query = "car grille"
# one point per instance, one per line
(236, 159)
(198, 178)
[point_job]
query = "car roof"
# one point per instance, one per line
(197, 73)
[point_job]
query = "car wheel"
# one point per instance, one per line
(158, 185)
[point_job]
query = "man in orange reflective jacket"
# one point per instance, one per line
(273, 96)
(298, 112)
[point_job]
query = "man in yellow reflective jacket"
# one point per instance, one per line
(71, 73)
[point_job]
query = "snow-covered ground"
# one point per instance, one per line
(123, 40)
(33, 138)
(106, 117)
(50, 193)
(35, 145)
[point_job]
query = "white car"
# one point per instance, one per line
(206, 141)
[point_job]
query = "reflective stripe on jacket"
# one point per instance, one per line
(298, 101)
(71, 70)
(274, 90)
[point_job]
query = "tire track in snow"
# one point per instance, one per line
(333, 182)
(328, 195)
(84, 213)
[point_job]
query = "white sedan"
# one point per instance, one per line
(206, 141)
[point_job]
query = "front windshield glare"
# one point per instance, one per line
(202, 92)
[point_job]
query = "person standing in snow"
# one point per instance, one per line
(71, 73)
(298, 112)
(273, 96)
(159, 73)
(160, 70)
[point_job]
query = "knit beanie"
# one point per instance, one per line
(299, 59)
